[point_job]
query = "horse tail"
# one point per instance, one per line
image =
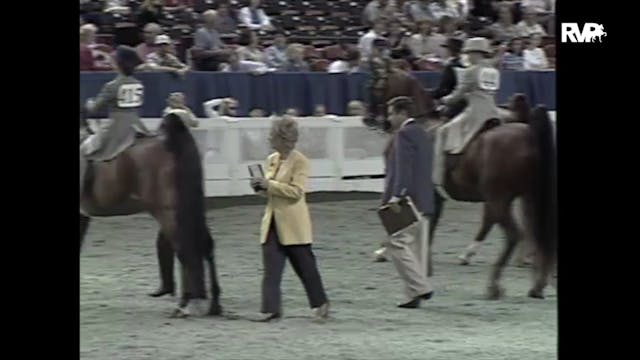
(190, 215)
(544, 185)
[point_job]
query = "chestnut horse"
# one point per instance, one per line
(162, 176)
(502, 163)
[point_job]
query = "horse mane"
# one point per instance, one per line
(190, 214)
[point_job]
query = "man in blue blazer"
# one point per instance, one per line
(408, 173)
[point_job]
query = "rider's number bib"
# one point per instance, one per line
(130, 95)
(489, 79)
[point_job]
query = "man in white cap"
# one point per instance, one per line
(163, 60)
(478, 85)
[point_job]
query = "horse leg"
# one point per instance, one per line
(510, 227)
(489, 217)
(165, 261)
(169, 229)
(84, 226)
(215, 308)
(437, 214)
(525, 249)
(541, 265)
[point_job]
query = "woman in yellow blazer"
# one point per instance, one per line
(286, 225)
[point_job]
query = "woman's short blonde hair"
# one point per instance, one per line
(285, 129)
(294, 49)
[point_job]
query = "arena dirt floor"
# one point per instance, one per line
(119, 321)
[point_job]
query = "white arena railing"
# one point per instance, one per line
(344, 154)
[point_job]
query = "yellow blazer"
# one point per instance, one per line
(286, 199)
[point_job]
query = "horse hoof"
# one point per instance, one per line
(494, 293)
(536, 294)
(197, 307)
(464, 260)
(215, 310)
(180, 313)
(162, 292)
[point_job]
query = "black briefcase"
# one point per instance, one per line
(395, 223)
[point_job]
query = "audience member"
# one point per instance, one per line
(163, 60)
(255, 18)
(215, 108)
(541, 7)
(350, 63)
(440, 8)
(398, 40)
(250, 47)
(117, 7)
(176, 104)
(276, 54)
(366, 41)
(503, 30)
(355, 108)
(257, 113)
(292, 112)
(179, 5)
(208, 50)
(295, 59)
(88, 60)
(534, 56)
(418, 10)
(377, 9)
(227, 23)
(150, 11)
(424, 45)
(234, 64)
(529, 25)
(513, 60)
(150, 32)
(320, 110)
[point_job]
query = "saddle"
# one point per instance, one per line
(90, 172)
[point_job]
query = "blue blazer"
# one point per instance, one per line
(408, 167)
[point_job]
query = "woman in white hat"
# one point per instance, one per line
(478, 84)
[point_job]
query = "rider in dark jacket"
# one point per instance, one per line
(449, 78)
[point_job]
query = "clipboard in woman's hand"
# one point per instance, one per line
(255, 171)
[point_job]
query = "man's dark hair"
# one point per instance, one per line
(402, 103)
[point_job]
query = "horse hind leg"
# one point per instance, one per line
(215, 308)
(488, 219)
(512, 233)
(439, 206)
(542, 265)
(84, 226)
(525, 250)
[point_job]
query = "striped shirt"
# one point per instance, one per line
(512, 62)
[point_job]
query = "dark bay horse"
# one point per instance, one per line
(162, 176)
(502, 163)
